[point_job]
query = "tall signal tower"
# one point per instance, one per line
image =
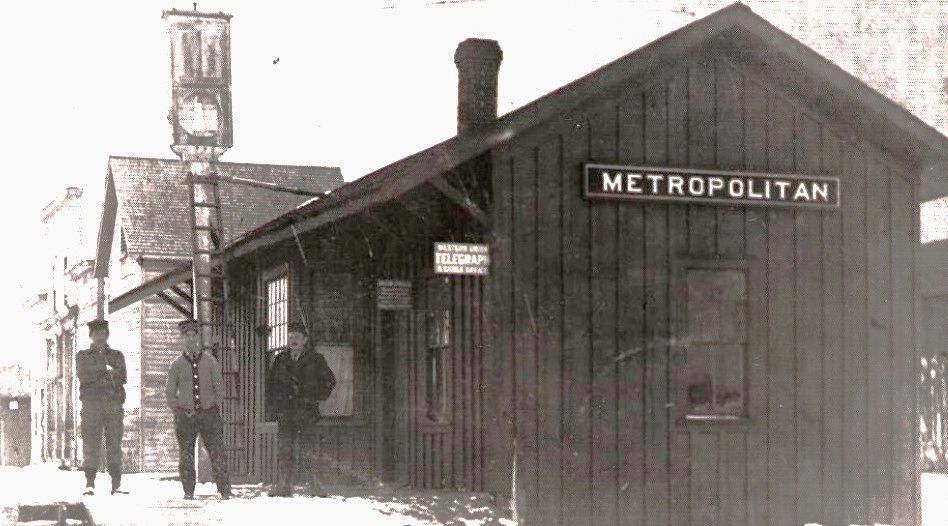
(202, 124)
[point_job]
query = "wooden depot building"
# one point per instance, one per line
(679, 290)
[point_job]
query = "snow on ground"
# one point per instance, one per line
(156, 500)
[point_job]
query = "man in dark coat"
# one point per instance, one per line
(194, 391)
(101, 372)
(298, 380)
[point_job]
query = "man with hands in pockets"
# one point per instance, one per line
(194, 392)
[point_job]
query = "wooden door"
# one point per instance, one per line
(393, 350)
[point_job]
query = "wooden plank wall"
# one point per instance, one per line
(440, 455)
(160, 346)
(448, 453)
(126, 334)
(585, 290)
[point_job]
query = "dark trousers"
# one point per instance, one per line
(207, 423)
(290, 433)
(98, 417)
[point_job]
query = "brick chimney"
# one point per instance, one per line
(478, 62)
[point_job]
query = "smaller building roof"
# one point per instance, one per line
(149, 199)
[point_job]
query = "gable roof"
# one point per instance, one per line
(149, 199)
(736, 30)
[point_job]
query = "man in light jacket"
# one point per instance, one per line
(194, 392)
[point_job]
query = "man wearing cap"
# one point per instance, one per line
(194, 392)
(101, 372)
(298, 380)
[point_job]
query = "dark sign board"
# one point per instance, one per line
(471, 259)
(601, 181)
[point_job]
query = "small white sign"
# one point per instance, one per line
(466, 259)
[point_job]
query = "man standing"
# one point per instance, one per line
(194, 391)
(299, 379)
(101, 372)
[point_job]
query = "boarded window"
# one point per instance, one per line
(340, 360)
(711, 364)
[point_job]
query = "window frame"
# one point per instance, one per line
(681, 339)
(273, 273)
(438, 335)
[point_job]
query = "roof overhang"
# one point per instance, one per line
(158, 285)
(735, 29)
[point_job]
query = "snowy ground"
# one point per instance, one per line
(153, 501)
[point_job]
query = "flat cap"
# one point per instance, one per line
(98, 323)
(295, 326)
(189, 324)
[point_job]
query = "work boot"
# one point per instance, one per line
(281, 490)
(117, 485)
(316, 489)
(90, 482)
(225, 491)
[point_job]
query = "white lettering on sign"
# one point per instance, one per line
(471, 259)
(692, 185)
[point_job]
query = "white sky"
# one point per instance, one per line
(358, 84)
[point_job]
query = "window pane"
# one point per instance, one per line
(713, 377)
(717, 305)
(277, 311)
(340, 360)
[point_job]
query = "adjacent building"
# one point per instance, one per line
(143, 232)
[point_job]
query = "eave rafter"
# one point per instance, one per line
(461, 199)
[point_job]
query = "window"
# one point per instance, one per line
(278, 311)
(711, 355)
(276, 294)
(438, 337)
(339, 357)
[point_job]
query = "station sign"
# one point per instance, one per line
(465, 259)
(611, 182)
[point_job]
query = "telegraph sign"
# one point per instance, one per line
(609, 182)
(466, 259)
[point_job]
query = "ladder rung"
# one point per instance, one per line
(206, 204)
(214, 178)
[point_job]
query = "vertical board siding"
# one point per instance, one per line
(781, 282)
(587, 291)
(576, 333)
(855, 454)
(832, 364)
(631, 349)
(756, 109)
(903, 359)
(549, 318)
(878, 360)
(604, 310)
(808, 334)
(524, 326)
(502, 359)
(655, 335)
(731, 244)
